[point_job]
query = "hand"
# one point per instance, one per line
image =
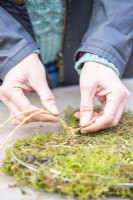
(28, 75)
(101, 81)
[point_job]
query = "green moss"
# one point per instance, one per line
(86, 166)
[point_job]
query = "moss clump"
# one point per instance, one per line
(86, 166)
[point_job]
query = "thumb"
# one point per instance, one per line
(45, 94)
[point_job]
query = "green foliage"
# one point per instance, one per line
(85, 166)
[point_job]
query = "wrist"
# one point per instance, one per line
(89, 57)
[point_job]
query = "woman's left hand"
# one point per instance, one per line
(100, 81)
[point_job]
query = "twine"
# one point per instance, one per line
(39, 111)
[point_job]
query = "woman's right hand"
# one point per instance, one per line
(28, 75)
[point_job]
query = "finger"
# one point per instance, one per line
(120, 111)
(15, 122)
(11, 104)
(94, 116)
(36, 118)
(106, 120)
(86, 110)
(77, 115)
(44, 118)
(47, 98)
(87, 89)
(18, 116)
(40, 117)
(87, 129)
(17, 97)
(17, 103)
(14, 111)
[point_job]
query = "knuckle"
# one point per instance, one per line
(127, 94)
(4, 91)
(114, 123)
(123, 92)
(120, 93)
(49, 97)
(109, 120)
(14, 122)
(20, 117)
(4, 94)
(86, 107)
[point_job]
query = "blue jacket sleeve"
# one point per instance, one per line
(110, 33)
(15, 42)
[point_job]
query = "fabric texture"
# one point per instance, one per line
(110, 32)
(15, 42)
(47, 18)
(88, 57)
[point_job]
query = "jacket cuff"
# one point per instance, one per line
(25, 51)
(89, 57)
(103, 50)
(37, 51)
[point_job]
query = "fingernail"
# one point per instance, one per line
(54, 110)
(83, 121)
